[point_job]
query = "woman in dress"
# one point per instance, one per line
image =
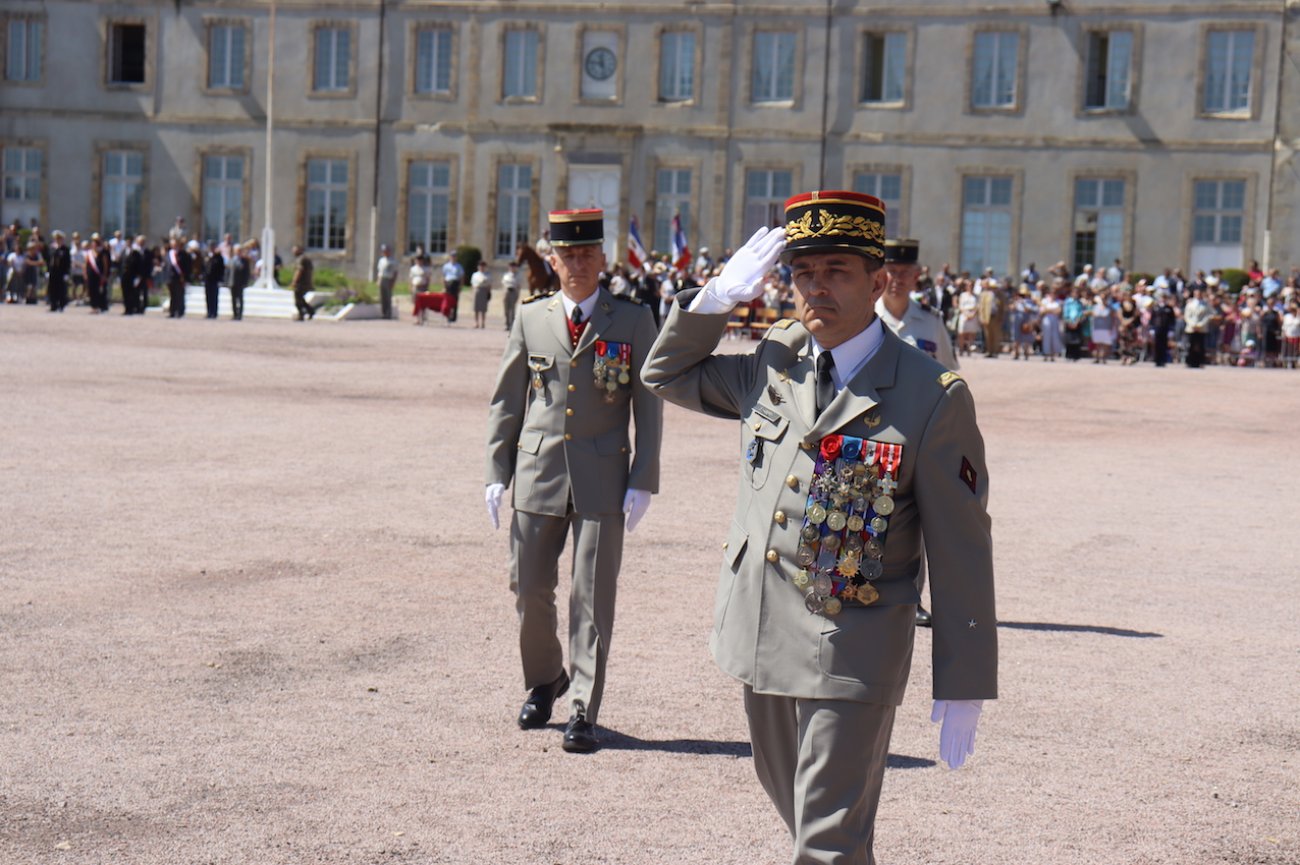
(1050, 324)
(1105, 326)
(968, 324)
(1024, 319)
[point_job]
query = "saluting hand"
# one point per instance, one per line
(741, 279)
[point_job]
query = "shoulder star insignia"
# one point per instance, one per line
(971, 623)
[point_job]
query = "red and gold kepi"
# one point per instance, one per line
(902, 250)
(577, 227)
(829, 220)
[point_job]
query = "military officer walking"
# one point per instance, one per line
(558, 429)
(854, 444)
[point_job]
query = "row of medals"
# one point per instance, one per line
(610, 372)
(841, 543)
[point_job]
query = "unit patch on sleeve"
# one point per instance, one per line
(967, 474)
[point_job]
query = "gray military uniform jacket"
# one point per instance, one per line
(557, 435)
(763, 633)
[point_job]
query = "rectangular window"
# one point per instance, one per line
(773, 67)
(327, 204)
(676, 66)
(23, 55)
(514, 207)
(519, 66)
(986, 224)
(1228, 63)
(884, 56)
(672, 198)
(22, 175)
(223, 196)
(996, 69)
(333, 60)
(1218, 211)
(765, 193)
(889, 189)
(126, 49)
(428, 219)
(1099, 218)
(1110, 59)
(123, 193)
(433, 61)
(226, 56)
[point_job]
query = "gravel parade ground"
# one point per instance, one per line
(252, 611)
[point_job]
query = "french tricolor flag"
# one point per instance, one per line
(681, 252)
(636, 256)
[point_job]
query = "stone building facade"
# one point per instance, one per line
(1160, 132)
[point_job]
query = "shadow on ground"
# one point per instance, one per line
(1087, 629)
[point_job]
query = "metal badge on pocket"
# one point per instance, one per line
(539, 363)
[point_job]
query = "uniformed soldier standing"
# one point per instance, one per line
(915, 326)
(853, 445)
(558, 428)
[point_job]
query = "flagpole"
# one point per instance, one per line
(267, 278)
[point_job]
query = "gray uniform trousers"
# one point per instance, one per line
(800, 754)
(536, 541)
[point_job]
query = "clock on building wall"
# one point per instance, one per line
(600, 63)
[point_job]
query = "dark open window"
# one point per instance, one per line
(126, 54)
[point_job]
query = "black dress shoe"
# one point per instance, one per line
(580, 735)
(537, 708)
(922, 617)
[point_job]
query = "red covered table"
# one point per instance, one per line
(433, 301)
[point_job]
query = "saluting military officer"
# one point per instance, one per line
(913, 324)
(854, 444)
(558, 428)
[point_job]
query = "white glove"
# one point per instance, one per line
(741, 279)
(635, 504)
(493, 498)
(957, 735)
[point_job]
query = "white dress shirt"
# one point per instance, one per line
(587, 306)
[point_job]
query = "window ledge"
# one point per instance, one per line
(676, 103)
(772, 103)
(521, 100)
(138, 86)
(332, 94)
(881, 105)
(1238, 115)
(433, 95)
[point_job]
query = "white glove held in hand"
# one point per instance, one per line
(493, 498)
(635, 504)
(741, 279)
(957, 735)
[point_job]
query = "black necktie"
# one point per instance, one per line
(825, 382)
(577, 316)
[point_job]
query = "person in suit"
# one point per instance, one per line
(241, 271)
(854, 446)
(991, 308)
(214, 271)
(569, 384)
(60, 267)
(177, 269)
(97, 274)
(303, 271)
(133, 275)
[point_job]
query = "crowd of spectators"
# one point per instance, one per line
(76, 271)
(1099, 314)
